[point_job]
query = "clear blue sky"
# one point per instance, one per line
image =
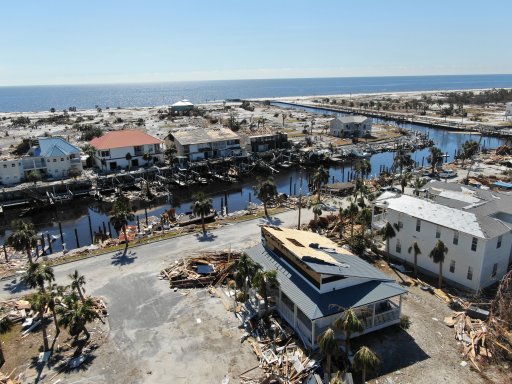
(93, 41)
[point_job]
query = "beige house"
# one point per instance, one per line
(351, 126)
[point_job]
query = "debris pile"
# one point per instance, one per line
(281, 359)
(206, 269)
(500, 320)
(15, 310)
(472, 333)
(7, 380)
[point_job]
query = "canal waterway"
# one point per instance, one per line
(77, 214)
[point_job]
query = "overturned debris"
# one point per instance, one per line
(206, 269)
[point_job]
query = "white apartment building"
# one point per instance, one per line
(475, 225)
(318, 280)
(11, 170)
(125, 149)
(351, 126)
(201, 144)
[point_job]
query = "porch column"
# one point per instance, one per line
(373, 315)
(313, 336)
(279, 299)
(294, 315)
(400, 306)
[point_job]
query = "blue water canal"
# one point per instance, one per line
(77, 214)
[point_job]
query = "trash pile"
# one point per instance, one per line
(206, 269)
(7, 380)
(472, 333)
(282, 360)
(15, 310)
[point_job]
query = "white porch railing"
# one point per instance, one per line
(287, 313)
(386, 317)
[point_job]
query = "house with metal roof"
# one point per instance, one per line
(474, 224)
(126, 149)
(351, 126)
(52, 157)
(182, 106)
(319, 280)
(196, 143)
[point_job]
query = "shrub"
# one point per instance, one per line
(405, 322)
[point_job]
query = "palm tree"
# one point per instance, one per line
(364, 218)
(39, 302)
(169, 154)
(435, 157)
(351, 211)
(468, 150)
(55, 292)
(75, 314)
(321, 176)
(77, 282)
(365, 359)
(349, 323)
(119, 217)
(128, 158)
(147, 157)
(23, 237)
(201, 206)
(317, 210)
(37, 274)
(265, 190)
(417, 251)
(245, 269)
(438, 254)
(402, 159)
(363, 167)
(387, 232)
(264, 280)
(418, 184)
(404, 180)
(329, 346)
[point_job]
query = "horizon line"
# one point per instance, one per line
(248, 79)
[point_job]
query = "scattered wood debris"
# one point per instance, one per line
(206, 269)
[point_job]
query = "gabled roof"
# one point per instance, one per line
(182, 103)
(124, 138)
(348, 119)
(315, 304)
(55, 146)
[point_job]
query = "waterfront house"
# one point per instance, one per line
(319, 280)
(52, 157)
(474, 224)
(205, 143)
(351, 126)
(125, 149)
(265, 142)
(181, 106)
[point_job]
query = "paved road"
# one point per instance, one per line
(157, 335)
(151, 258)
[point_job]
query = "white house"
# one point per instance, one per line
(200, 143)
(318, 280)
(53, 157)
(182, 106)
(475, 225)
(351, 126)
(125, 149)
(11, 170)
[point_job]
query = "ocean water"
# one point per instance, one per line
(42, 98)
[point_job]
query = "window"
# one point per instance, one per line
(5, 165)
(470, 273)
(13, 165)
(500, 238)
(400, 224)
(474, 244)
(61, 159)
(105, 153)
(455, 237)
(54, 160)
(398, 247)
(418, 225)
(452, 266)
(494, 269)
(438, 231)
